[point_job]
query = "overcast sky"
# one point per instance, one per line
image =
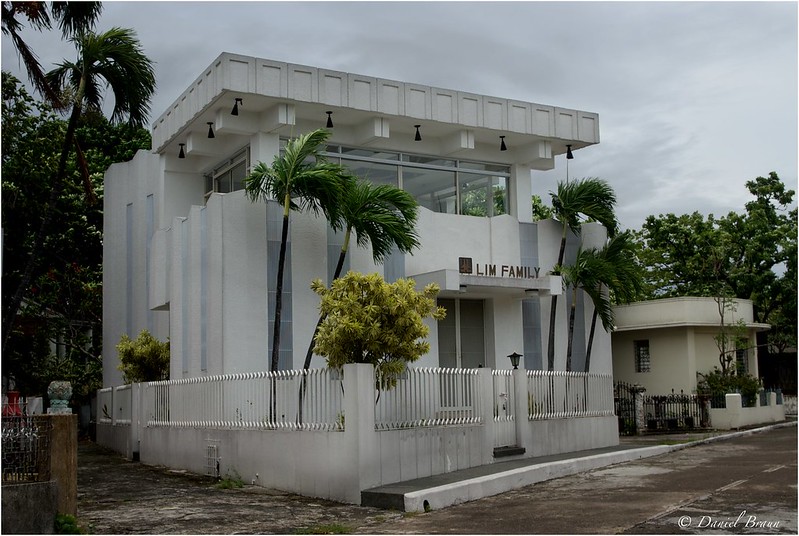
(694, 99)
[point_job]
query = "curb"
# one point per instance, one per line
(485, 486)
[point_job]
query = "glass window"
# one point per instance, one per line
(368, 153)
(229, 175)
(373, 172)
(483, 195)
(642, 360)
(482, 166)
(439, 184)
(432, 188)
(428, 160)
(742, 357)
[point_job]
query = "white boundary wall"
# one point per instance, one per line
(337, 465)
(735, 416)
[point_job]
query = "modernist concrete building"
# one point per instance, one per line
(189, 258)
(663, 344)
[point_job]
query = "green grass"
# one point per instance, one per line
(231, 481)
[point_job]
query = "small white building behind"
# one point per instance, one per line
(662, 344)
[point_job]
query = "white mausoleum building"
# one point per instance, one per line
(189, 258)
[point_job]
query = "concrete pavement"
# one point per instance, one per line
(441, 491)
(116, 496)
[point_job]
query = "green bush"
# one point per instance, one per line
(145, 359)
(66, 524)
(716, 383)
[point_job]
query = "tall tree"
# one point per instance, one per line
(72, 18)
(64, 304)
(586, 273)
(381, 215)
(749, 255)
(621, 278)
(575, 202)
(301, 179)
(114, 58)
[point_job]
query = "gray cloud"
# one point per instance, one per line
(695, 98)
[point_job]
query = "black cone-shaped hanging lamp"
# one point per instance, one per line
(181, 154)
(502, 146)
(211, 129)
(329, 119)
(236, 103)
(418, 136)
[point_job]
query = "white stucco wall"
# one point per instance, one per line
(681, 335)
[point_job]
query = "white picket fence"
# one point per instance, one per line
(430, 397)
(562, 395)
(289, 400)
(422, 397)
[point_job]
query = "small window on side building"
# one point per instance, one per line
(642, 361)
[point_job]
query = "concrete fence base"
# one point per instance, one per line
(339, 464)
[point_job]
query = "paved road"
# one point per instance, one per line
(752, 478)
(726, 487)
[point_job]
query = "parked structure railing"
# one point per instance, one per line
(672, 412)
(560, 394)
(429, 397)
(26, 448)
(288, 399)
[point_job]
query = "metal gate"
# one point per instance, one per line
(624, 402)
(504, 414)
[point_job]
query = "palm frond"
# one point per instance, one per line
(590, 198)
(114, 58)
(76, 17)
(382, 215)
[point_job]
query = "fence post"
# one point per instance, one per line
(64, 461)
(359, 425)
(704, 406)
(640, 415)
(521, 410)
(734, 408)
(112, 409)
(135, 421)
(485, 384)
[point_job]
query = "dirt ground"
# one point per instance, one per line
(116, 496)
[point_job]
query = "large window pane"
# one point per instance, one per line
(373, 172)
(428, 160)
(368, 153)
(433, 189)
(483, 195)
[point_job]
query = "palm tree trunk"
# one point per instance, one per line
(38, 239)
(590, 342)
(572, 313)
(281, 263)
(309, 353)
(553, 309)
(336, 275)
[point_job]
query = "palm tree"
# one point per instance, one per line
(621, 282)
(589, 198)
(384, 216)
(73, 18)
(302, 180)
(587, 272)
(114, 59)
